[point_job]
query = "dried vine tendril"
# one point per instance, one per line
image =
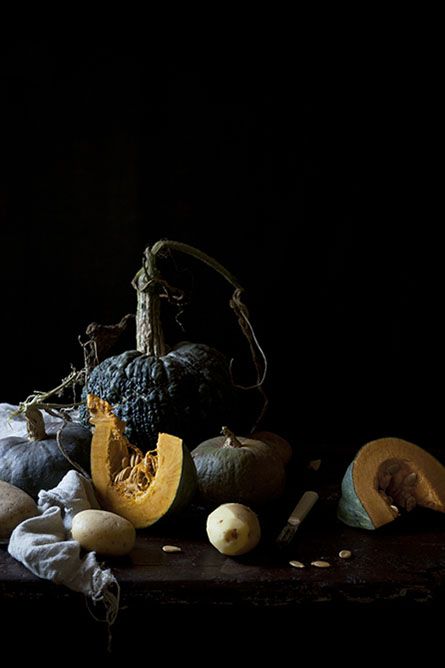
(33, 405)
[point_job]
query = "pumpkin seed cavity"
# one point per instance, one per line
(396, 484)
(138, 472)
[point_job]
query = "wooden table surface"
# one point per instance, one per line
(404, 561)
(399, 567)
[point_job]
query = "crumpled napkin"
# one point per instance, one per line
(45, 546)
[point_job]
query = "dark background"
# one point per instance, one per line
(314, 182)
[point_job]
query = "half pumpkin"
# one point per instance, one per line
(388, 476)
(142, 487)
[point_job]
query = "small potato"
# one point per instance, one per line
(15, 506)
(103, 532)
(233, 529)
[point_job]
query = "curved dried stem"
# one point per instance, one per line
(164, 244)
(74, 464)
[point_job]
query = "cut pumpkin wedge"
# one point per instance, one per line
(387, 477)
(142, 487)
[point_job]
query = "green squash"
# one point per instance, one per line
(186, 391)
(234, 469)
(387, 477)
(35, 462)
(281, 447)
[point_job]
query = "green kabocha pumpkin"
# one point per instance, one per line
(185, 390)
(36, 461)
(234, 469)
(280, 446)
(390, 476)
(143, 488)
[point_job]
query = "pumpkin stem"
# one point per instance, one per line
(35, 424)
(149, 334)
(231, 440)
(159, 246)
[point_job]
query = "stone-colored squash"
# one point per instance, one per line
(236, 469)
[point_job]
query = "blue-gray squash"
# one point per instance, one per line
(234, 469)
(387, 477)
(36, 462)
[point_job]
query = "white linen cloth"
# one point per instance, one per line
(45, 546)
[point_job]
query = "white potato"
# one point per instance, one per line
(233, 529)
(103, 532)
(15, 506)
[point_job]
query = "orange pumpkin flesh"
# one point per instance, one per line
(143, 488)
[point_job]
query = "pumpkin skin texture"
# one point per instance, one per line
(238, 470)
(33, 465)
(386, 476)
(187, 392)
(281, 447)
(142, 489)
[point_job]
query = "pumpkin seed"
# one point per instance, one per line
(125, 462)
(171, 548)
(410, 479)
(135, 460)
(297, 564)
(320, 563)
(345, 554)
(142, 481)
(122, 475)
(395, 509)
(150, 464)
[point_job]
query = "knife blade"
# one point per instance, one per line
(301, 510)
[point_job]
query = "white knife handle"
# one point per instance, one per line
(305, 504)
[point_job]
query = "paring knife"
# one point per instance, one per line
(305, 504)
